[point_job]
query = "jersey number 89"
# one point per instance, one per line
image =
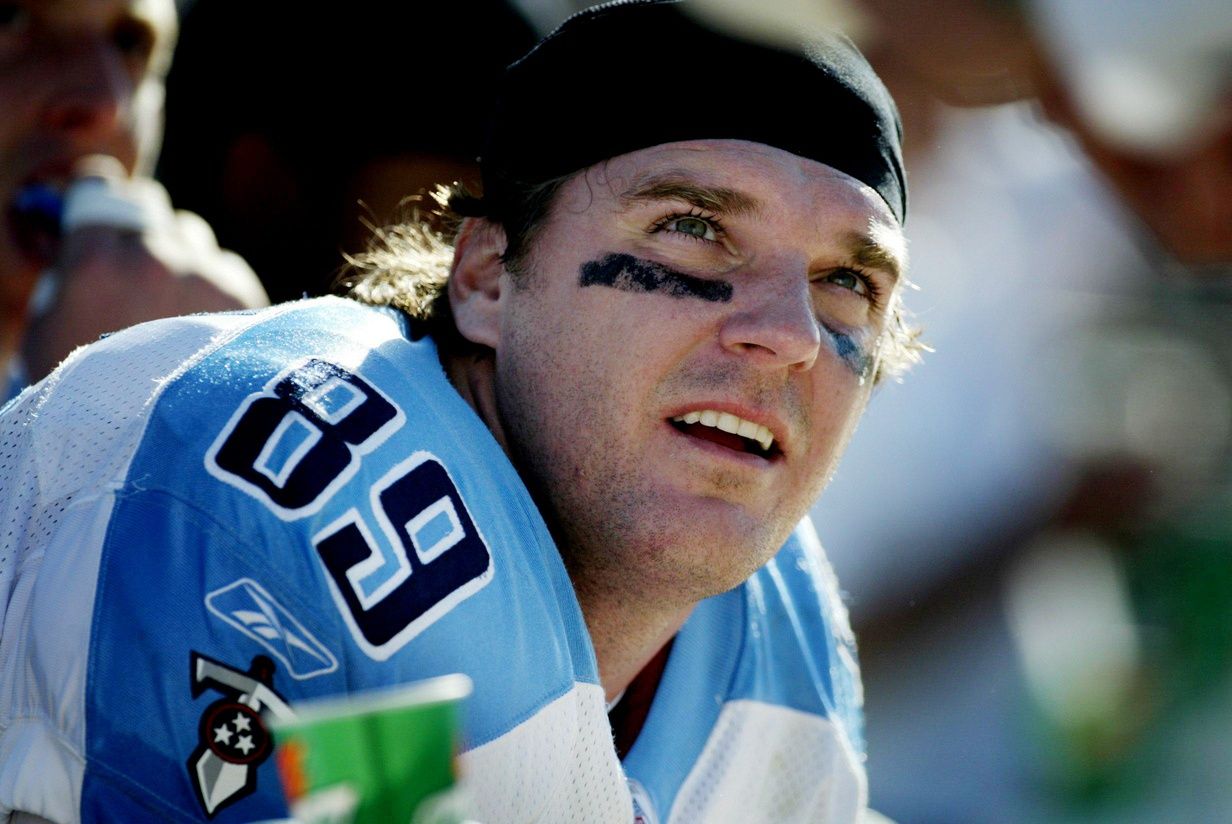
(294, 445)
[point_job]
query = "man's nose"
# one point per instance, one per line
(91, 94)
(773, 320)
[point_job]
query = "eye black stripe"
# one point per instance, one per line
(630, 274)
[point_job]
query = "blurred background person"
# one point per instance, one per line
(1135, 711)
(81, 79)
(1147, 90)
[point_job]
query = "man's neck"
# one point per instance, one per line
(471, 374)
(632, 709)
(626, 635)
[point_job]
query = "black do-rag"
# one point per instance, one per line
(632, 74)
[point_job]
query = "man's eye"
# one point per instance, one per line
(698, 226)
(848, 279)
(695, 226)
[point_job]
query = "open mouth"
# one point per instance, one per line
(728, 430)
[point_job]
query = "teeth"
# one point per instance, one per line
(730, 423)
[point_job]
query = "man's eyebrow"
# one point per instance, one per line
(678, 186)
(872, 252)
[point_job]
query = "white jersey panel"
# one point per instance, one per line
(42, 726)
(557, 767)
(772, 764)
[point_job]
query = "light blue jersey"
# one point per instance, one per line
(213, 517)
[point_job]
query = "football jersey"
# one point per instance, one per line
(208, 519)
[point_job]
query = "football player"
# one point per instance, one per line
(565, 448)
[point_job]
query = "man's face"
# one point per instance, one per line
(707, 282)
(77, 77)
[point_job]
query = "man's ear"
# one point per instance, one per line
(475, 284)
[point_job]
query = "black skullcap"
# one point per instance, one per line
(632, 74)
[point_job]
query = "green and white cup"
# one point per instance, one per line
(384, 757)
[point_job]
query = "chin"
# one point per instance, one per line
(709, 562)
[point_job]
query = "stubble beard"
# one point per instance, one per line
(620, 541)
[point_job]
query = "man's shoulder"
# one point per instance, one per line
(239, 349)
(146, 358)
(218, 358)
(164, 389)
(322, 430)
